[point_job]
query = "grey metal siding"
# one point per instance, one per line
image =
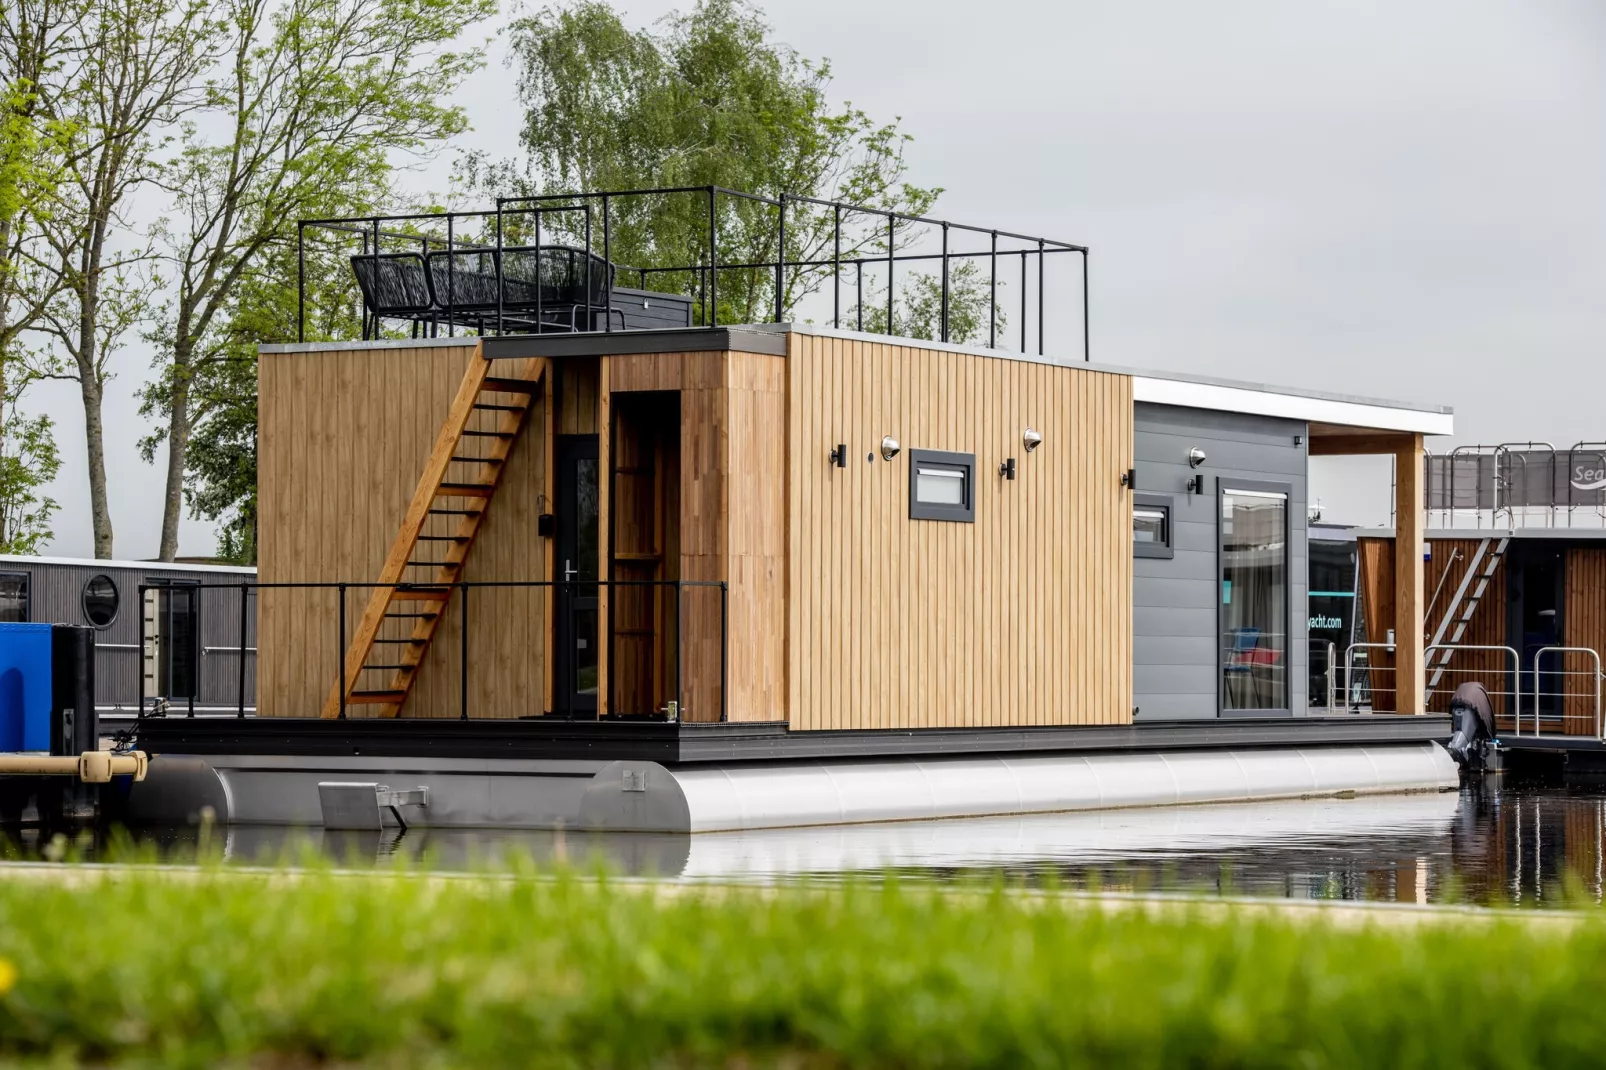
(1175, 670)
(56, 592)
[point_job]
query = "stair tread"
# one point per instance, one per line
(421, 595)
(384, 697)
(464, 490)
(509, 386)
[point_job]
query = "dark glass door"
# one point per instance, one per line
(579, 486)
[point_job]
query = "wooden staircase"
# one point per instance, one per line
(459, 479)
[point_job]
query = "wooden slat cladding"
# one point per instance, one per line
(343, 437)
(731, 512)
(1022, 618)
(578, 390)
(1445, 569)
(1584, 621)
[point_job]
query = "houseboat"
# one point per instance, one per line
(541, 549)
(1515, 578)
(169, 636)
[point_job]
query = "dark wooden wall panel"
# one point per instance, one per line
(1585, 623)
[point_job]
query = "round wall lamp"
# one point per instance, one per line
(1196, 457)
(889, 448)
(1032, 439)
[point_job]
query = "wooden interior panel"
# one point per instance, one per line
(1376, 562)
(343, 434)
(1022, 618)
(645, 544)
(1584, 621)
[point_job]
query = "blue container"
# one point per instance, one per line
(25, 687)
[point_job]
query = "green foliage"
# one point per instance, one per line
(215, 968)
(318, 103)
(28, 461)
(706, 98)
(917, 313)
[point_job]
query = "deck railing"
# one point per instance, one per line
(305, 608)
(798, 241)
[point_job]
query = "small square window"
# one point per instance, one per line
(1151, 525)
(942, 486)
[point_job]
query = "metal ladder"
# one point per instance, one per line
(1458, 614)
(459, 479)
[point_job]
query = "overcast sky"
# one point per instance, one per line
(1398, 200)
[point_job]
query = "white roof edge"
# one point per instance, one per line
(1198, 391)
(139, 566)
(1311, 409)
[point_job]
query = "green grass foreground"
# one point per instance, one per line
(211, 967)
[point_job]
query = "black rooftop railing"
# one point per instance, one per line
(547, 263)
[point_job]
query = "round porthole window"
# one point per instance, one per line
(100, 601)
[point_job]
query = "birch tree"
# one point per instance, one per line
(316, 104)
(138, 75)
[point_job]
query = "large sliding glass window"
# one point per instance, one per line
(1254, 599)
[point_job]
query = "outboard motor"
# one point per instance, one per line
(1472, 717)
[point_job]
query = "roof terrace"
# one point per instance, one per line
(693, 258)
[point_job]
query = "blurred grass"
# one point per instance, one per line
(208, 967)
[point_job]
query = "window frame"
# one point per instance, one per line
(1224, 487)
(1166, 503)
(964, 513)
(27, 591)
(117, 604)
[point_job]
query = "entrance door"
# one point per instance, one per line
(579, 485)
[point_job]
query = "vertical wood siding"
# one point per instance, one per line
(343, 438)
(1584, 619)
(731, 522)
(1022, 618)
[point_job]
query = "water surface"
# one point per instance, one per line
(1511, 844)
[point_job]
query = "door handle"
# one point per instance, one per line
(569, 571)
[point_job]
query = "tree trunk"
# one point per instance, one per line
(92, 390)
(95, 439)
(178, 447)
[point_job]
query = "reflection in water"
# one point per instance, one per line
(1486, 845)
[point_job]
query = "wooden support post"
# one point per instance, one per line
(1410, 544)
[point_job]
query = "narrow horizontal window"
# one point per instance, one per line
(1151, 526)
(1148, 525)
(942, 485)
